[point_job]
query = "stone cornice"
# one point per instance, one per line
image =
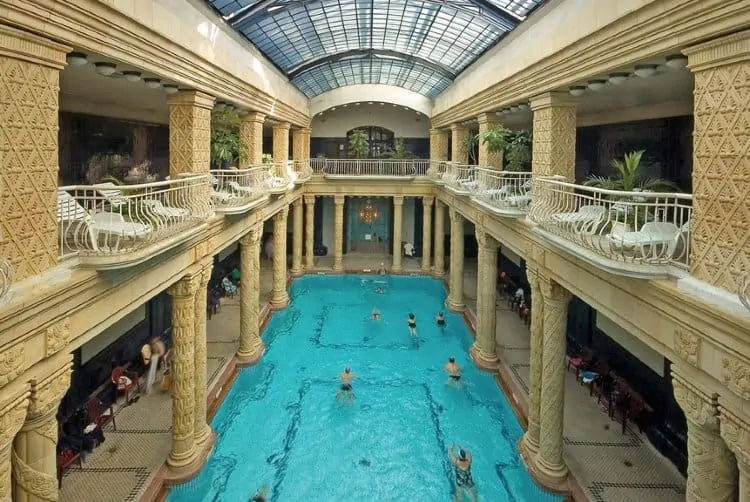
(93, 26)
(29, 47)
(657, 28)
(721, 51)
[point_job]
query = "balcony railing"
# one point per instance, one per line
(236, 191)
(459, 178)
(303, 170)
(639, 234)
(502, 192)
(370, 168)
(114, 226)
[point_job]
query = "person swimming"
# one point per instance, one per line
(412, 324)
(379, 291)
(461, 460)
(375, 316)
(440, 319)
(261, 495)
(453, 369)
(346, 392)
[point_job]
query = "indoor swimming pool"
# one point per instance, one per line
(282, 427)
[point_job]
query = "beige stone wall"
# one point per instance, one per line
(487, 122)
(189, 132)
(554, 141)
(251, 136)
(459, 133)
(439, 144)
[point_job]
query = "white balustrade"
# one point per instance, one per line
(303, 170)
(504, 193)
(436, 170)
(460, 178)
(112, 226)
(236, 191)
(644, 232)
(369, 168)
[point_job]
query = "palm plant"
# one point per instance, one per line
(630, 178)
(359, 144)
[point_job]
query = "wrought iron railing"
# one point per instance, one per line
(235, 191)
(370, 168)
(502, 192)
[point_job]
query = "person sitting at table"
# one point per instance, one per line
(79, 435)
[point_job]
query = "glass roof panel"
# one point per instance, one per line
(428, 42)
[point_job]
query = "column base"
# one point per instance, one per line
(555, 477)
(251, 357)
(529, 444)
(438, 274)
(279, 301)
(454, 305)
(397, 269)
(297, 271)
(338, 267)
(183, 472)
(530, 459)
(487, 362)
(203, 436)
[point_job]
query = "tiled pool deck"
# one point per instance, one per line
(608, 465)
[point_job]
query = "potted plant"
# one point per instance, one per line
(517, 155)
(359, 144)
(225, 147)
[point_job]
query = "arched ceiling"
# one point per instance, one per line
(420, 45)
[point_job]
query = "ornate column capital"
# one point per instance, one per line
(718, 52)
(552, 292)
(250, 116)
(46, 394)
(554, 98)
(485, 240)
(458, 127)
(398, 200)
(736, 433)
(455, 216)
(185, 287)
(207, 267)
(252, 238)
(12, 417)
(699, 407)
(191, 98)
(57, 336)
(339, 200)
(427, 200)
(281, 126)
(488, 119)
(282, 214)
(297, 202)
(309, 199)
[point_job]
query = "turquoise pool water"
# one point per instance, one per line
(281, 425)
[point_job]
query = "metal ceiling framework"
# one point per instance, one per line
(420, 45)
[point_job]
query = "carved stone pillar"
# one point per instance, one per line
(251, 138)
(183, 373)
(711, 471)
(201, 427)
(338, 237)
(531, 437)
(551, 467)
(398, 213)
(554, 138)
(29, 76)
(719, 240)
(736, 434)
(12, 417)
(306, 132)
(297, 232)
(426, 233)
(281, 142)
(483, 351)
(309, 231)
(298, 144)
(439, 267)
(279, 295)
(459, 133)
(34, 455)
(455, 300)
(189, 132)
(251, 346)
(439, 144)
(487, 122)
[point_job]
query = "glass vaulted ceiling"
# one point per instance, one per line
(421, 45)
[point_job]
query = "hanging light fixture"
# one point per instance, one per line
(105, 69)
(645, 70)
(170, 88)
(523, 106)
(77, 59)
(153, 83)
(677, 61)
(368, 212)
(132, 76)
(577, 90)
(618, 78)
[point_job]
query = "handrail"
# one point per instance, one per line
(503, 192)
(235, 191)
(385, 168)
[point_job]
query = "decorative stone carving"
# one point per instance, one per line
(12, 363)
(279, 295)
(459, 132)
(309, 231)
(47, 394)
(484, 347)
(554, 139)
(298, 228)
(57, 336)
(251, 137)
(298, 144)
(201, 429)
(338, 251)
(439, 238)
(687, 345)
(736, 434)
(40, 485)
(487, 122)
(720, 235)
(251, 346)
(281, 141)
(736, 375)
(439, 144)
(531, 438)
(11, 419)
(189, 132)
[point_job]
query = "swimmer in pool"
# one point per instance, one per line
(375, 316)
(440, 320)
(453, 370)
(461, 460)
(346, 393)
(379, 291)
(261, 495)
(412, 324)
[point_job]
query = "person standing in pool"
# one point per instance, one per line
(375, 316)
(261, 495)
(346, 392)
(461, 460)
(382, 270)
(440, 320)
(453, 370)
(412, 324)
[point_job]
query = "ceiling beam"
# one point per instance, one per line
(373, 54)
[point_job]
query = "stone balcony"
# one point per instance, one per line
(372, 169)
(635, 234)
(237, 191)
(504, 193)
(108, 226)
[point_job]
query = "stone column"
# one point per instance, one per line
(29, 76)
(483, 351)
(531, 437)
(736, 434)
(279, 295)
(438, 144)
(398, 212)
(202, 430)
(34, 454)
(12, 417)
(297, 229)
(183, 374)
(554, 138)
(459, 132)
(338, 245)
(309, 231)
(298, 144)
(711, 471)
(487, 122)
(280, 142)
(189, 132)
(426, 233)
(251, 138)
(306, 132)
(439, 239)
(455, 300)
(550, 465)
(251, 346)
(720, 242)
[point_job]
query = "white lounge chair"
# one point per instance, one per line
(656, 238)
(116, 199)
(586, 218)
(242, 190)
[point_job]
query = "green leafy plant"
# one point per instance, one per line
(630, 178)
(359, 144)
(267, 158)
(468, 146)
(399, 151)
(517, 155)
(225, 146)
(495, 139)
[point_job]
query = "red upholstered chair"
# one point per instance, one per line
(125, 382)
(100, 415)
(582, 361)
(65, 459)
